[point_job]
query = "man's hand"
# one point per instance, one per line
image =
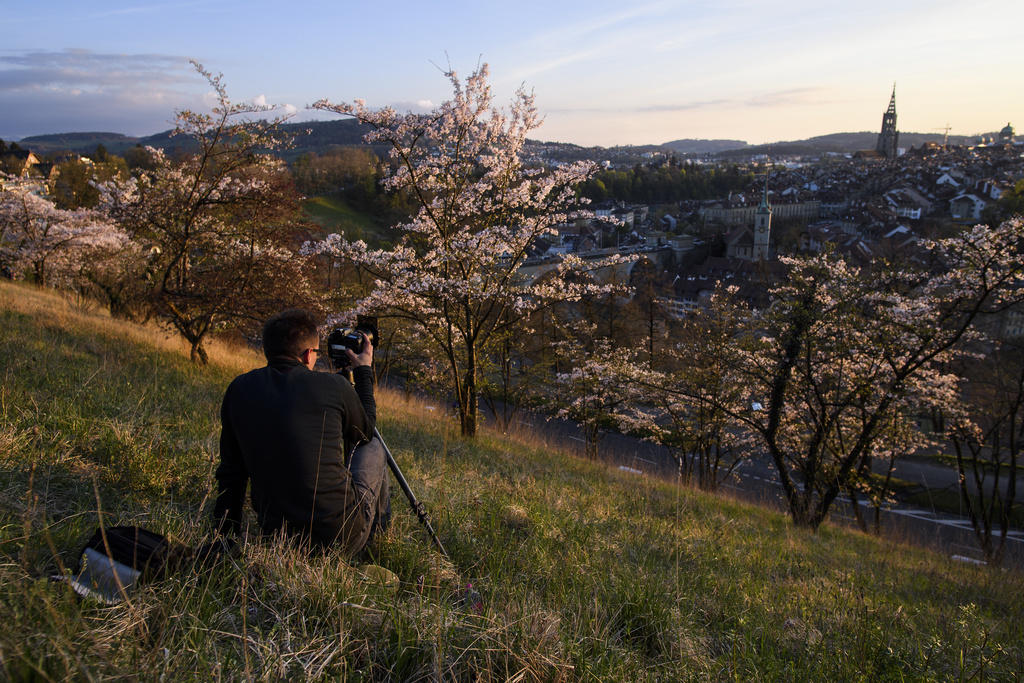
(363, 358)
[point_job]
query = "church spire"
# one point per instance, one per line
(888, 138)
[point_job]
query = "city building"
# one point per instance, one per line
(966, 207)
(744, 215)
(763, 226)
(1006, 134)
(753, 243)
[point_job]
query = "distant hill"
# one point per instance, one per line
(77, 142)
(310, 136)
(320, 136)
(842, 143)
(325, 134)
(690, 146)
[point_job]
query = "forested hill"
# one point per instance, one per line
(310, 136)
(690, 146)
(321, 136)
(842, 143)
(77, 141)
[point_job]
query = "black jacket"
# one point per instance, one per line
(288, 431)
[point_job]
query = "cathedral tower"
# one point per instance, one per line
(889, 137)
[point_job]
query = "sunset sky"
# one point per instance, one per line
(604, 72)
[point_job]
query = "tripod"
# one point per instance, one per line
(417, 506)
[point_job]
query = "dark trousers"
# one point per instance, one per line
(368, 467)
(367, 507)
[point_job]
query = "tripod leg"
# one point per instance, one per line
(417, 507)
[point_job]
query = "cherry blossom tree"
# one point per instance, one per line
(118, 276)
(986, 431)
(899, 436)
(455, 271)
(49, 244)
(835, 370)
(600, 391)
(217, 222)
(844, 350)
(696, 389)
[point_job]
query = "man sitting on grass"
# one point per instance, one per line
(304, 441)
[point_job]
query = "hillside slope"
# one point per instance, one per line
(584, 572)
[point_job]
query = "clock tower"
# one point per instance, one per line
(763, 226)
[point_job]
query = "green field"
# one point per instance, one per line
(584, 572)
(334, 214)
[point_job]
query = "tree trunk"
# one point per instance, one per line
(198, 353)
(468, 412)
(650, 330)
(806, 509)
(611, 315)
(857, 513)
(591, 434)
(809, 520)
(40, 272)
(884, 494)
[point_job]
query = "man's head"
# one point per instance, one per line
(292, 333)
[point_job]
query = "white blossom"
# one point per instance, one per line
(455, 272)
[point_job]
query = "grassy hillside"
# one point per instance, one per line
(585, 573)
(334, 214)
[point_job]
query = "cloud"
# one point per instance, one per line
(35, 113)
(793, 97)
(75, 90)
(685, 106)
(420, 106)
(210, 99)
(530, 70)
(152, 8)
(646, 109)
(596, 25)
(88, 70)
(595, 36)
(786, 98)
(259, 100)
(779, 98)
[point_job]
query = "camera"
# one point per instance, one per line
(343, 338)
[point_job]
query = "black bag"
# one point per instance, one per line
(141, 549)
(116, 558)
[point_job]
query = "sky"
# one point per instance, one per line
(604, 73)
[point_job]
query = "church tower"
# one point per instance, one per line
(889, 137)
(763, 226)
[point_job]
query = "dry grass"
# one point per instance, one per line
(65, 311)
(579, 571)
